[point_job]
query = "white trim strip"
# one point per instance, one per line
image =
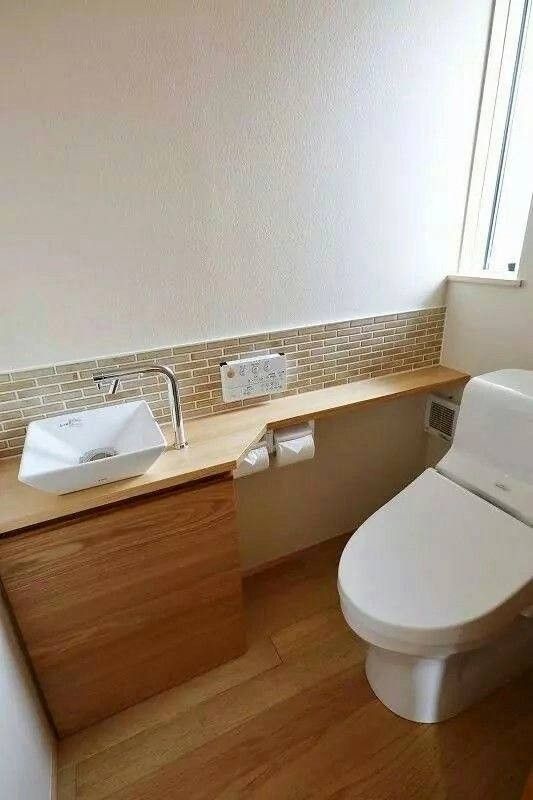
(509, 283)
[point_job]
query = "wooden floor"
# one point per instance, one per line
(295, 718)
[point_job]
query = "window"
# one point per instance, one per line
(501, 180)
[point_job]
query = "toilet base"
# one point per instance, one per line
(434, 689)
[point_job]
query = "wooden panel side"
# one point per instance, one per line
(121, 605)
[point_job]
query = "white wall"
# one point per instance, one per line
(490, 327)
(26, 744)
(174, 171)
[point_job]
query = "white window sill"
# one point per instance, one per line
(499, 280)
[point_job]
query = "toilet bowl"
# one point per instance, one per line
(439, 581)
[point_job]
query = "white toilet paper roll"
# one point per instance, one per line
(255, 460)
(290, 451)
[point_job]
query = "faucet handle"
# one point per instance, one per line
(107, 385)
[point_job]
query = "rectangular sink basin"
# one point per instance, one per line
(75, 451)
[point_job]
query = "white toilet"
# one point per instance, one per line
(439, 581)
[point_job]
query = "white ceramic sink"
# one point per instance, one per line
(74, 451)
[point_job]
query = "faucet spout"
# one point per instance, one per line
(110, 381)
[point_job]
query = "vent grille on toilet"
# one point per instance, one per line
(441, 416)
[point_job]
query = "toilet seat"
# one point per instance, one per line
(436, 570)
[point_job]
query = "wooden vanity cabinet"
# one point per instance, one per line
(129, 600)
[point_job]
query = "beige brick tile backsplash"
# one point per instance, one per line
(317, 356)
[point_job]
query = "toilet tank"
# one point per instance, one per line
(492, 450)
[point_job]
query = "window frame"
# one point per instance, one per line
(507, 39)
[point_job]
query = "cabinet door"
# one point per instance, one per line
(124, 603)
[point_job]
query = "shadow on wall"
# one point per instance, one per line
(26, 743)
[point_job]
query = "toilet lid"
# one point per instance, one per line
(437, 565)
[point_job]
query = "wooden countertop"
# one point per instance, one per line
(216, 443)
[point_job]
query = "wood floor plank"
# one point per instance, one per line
(233, 764)
(469, 757)
(260, 656)
(321, 627)
(336, 741)
(148, 750)
(293, 590)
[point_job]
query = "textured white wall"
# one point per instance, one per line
(490, 327)
(26, 744)
(174, 171)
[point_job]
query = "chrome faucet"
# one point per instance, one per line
(110, 381)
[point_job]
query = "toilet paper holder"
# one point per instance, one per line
(294, 443)
(254, 461)
(280, 434)
(267, 439)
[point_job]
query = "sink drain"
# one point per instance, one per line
(98, 454)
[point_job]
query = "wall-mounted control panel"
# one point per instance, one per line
(253, 377)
